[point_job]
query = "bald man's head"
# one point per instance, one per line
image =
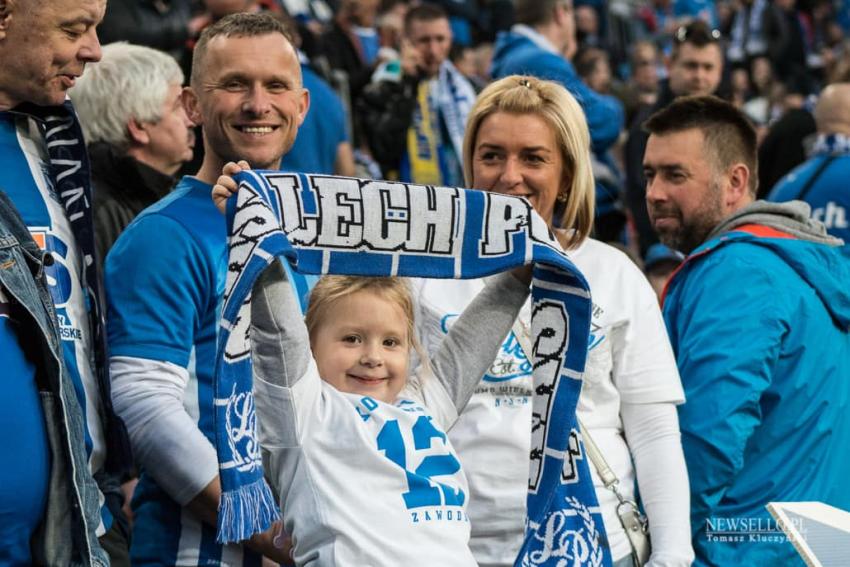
(832, 113)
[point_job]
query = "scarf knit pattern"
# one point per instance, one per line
(337, 225)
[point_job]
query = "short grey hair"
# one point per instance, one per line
(130, 81)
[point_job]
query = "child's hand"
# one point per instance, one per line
(225, 186)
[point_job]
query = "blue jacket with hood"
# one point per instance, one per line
(758, 317)
(517, 54)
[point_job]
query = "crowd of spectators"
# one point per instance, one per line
(370, 65)
(112, 255)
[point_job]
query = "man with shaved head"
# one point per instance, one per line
(822, 180)
(57, 418)
(165, 278)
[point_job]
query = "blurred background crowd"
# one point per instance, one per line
(362, 61)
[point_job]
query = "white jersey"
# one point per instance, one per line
(362, 482)
(385, 485)
(629, 359)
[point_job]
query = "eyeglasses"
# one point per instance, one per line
(696, 34)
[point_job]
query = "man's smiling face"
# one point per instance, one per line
(249, 99)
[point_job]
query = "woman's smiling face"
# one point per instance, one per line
(517, 154)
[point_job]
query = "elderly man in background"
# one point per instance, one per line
(44, 47)
(137, 132)
(822, 180)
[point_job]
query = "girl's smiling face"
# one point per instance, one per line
(362, 346)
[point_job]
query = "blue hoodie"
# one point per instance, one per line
(758, 318)
(516, 54)
(822, 183)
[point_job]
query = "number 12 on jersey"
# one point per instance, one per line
(422, 490)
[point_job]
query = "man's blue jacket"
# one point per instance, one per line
(758, 317)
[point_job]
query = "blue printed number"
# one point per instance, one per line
(58, 275)
(422, 491)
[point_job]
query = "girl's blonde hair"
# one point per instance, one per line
(518, 94)
(330, 289)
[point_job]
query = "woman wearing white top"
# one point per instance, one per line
(529, 137)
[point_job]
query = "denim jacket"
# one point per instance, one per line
(66, 535)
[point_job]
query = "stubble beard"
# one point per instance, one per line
(694, 230)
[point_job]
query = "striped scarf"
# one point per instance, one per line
(324, 224)
(435, 136)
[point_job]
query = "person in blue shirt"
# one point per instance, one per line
(822, 180)
(323, 144)
(165, 278)
(759, 320)
(44, 171)
(49, 508)
(535, 45)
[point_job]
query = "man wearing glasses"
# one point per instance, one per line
(695, 68)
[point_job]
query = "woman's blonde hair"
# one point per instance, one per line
(518, 94)
(330, 289)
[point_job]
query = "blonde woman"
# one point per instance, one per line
(529, 137)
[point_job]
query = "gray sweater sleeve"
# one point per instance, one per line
(473, 341)
(280, 345)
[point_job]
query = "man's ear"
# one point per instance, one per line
(304, 105)
(138, 133)
(6, 9)
(559, 13)
(191, 104)
(738, 189)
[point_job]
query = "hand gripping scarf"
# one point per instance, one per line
(324, 224)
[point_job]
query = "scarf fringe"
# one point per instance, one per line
(245, 511)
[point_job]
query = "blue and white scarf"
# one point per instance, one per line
(325, 224)
(831, 145)
(747, 38)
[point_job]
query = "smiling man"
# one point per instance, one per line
(44, 47)
(165, 278)
(759, 320)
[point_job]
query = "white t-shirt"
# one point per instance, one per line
(354, 451)
(363, 482)
(629, 359)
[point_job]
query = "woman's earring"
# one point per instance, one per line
(562, 197)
